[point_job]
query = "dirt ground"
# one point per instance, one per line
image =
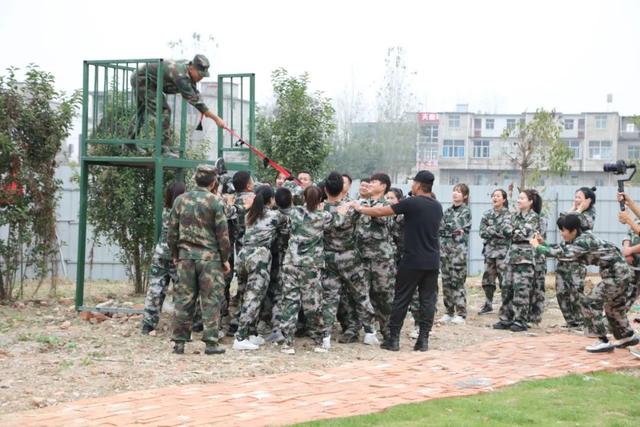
(49, 355)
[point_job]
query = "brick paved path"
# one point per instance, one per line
(356, 388)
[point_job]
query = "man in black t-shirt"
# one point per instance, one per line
(420, 260)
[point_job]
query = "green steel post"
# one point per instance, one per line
(158, 176)
(252, 118)
(82, 224)
(183, 126)
(221, 115)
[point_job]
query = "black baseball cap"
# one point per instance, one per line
(424, 177)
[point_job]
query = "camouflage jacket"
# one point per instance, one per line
(496, 243)
(306, 242)
(521, 227)
(633, 240)
(397, 233)
(263, 232)
(175, 80)
(281, 242)
(591, 250)
(198, 228)
(587, 218)
(340, 238)
(542, 225)
(455, 218)
(238, 217)
(373, 234)
(296, 192)
(161, 250)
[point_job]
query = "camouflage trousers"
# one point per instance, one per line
(235, 302)
(612, 294)
(380, 278)
(494, 269)
(301, 287)
(342, 271)
(253, 268)
(347, 313)
(270, 309)
(145, 117)
(454, 275)
(204, 279)
(537, 297)
(162, 272)
(569, 290)
(516, 293)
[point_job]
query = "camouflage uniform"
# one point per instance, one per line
(254, 265)
(378, 262)
(612, 292)
(634, 291)
(197, 236)
(494, 250)
(516, 289)
(342, 271)
(570, 279)
(536, 300)
(176, 80)
(301, 272)
(238, 218)
(453, 258)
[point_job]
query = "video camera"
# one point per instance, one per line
(620, 168)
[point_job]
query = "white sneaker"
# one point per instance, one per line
(371, 339)
(599, 347)
(458, 320)
(414, 334)
(221, 335)
(257, 340)
(635, 352)
(326, 342)
(445, 319)
(627, 342)
(245, 344)
(320, 350)
(287, 350)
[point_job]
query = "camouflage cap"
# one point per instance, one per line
(201, 63)
(205, 170)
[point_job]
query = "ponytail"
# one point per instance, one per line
(264, 194)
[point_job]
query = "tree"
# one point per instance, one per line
(296, 132)
(34, 121)
(537, 146)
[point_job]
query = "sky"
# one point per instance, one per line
(496, 56)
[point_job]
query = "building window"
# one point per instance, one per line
(454, 122)
(601, 122)
(568, 124)
(428, 134)
(634, 151)
(477, 123)
(489, 123)
(631, 127)
(599, 182)
(477, 179)
(481, 149)
(600, 150)
(453, 148)
(575, 147)
(453, 180)
(511, 124)
(426, 154)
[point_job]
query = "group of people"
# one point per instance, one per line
(307, 257)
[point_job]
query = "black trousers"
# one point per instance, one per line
(406, 283)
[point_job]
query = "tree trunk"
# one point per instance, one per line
(523, 180)
(137, 271)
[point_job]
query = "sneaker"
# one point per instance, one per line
(213, 349)
(635, 352)
(257, 340)
(320, 350)
(445, 319)
(486, 309)
(287, 349)
(245, 344)
(146, 329)
(275, 337)
(221, 335)
(348, 337)
(197, 327)
(600, 347)
(502, 325)
(414, 334)
(178, 348)
(326, 342)
(371, 339)
(627, 342)
(517, 327)
(458, 320)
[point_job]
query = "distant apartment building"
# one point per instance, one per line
(468, 147)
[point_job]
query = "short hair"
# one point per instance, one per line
(307, 172)
(504, 196)
(398, 192)
(426, 187)
(241, 181)
(569, 222)
(205, 180)
(334, 184)
(284, 198)
(172, 191)
(365, 180)
(464, 189)
(346, 175)
(383, 178)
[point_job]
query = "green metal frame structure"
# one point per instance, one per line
(113, 107)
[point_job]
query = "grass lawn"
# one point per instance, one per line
(599, 399)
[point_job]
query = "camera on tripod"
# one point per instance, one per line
(620, 168)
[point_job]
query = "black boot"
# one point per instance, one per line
(422, 343)
(146, 329)
(392, 342)
(212, 348)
